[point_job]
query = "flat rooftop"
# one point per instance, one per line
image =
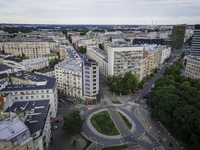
(74, 64)
(33, 61)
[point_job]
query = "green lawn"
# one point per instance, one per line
(104, 124)
(115, 147)
(126, 120)
(116, 102)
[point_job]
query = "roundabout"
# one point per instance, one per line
(129, 137)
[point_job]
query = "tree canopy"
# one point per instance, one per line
(101, 46)
(72, 123)
(54, 61)
(175, 102)
(123, 84)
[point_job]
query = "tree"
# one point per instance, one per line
(53, 62)
(101, 46)
(140, 84)
(155, 71)
(24, 57)
(110, 39)
(148, 77)
(72, 123)
(185, 86)
(33, 70)
(182, 55)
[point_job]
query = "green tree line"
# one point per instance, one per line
(175, 101)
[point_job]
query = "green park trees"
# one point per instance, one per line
(123, 84)
(175, 102)
(72, 123)
(101, 46)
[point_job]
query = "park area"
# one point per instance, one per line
(103, 123)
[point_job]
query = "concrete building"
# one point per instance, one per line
(195, 49)
(15, 135)
(36, 116)
(68, 75)
(178, 33)
(144, 69)
(35, 63)
(101, 57)
(4, 77)
(31, 49)
(14, 62)
(90, 80)
(124, 58)
(6, 69)
(193, 67)
(32, 87)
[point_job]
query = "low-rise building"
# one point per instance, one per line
(6, 69)
(46, 72)
(4, 77)
(30, 87)
(51, 56)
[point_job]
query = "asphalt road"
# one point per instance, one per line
(137, 98)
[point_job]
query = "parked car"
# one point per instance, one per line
(61, 100)
(149, 91)
(54, 127)
(137, 91)
(58, 121)
(146, 96)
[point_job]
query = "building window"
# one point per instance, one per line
(36, 91)
(87, 92)
(16, 98)
(87, 84)
(42, 91)
(26, 97)
(15, 142)
(24, 136)
(86, 80)
(47, 91)
(42, 96)
(15, 92)
(87, 76)
(21, 97)
(87, 72)
(37, 96)
(87, 88)
(47, 96)
(32, 97)
(87, 68)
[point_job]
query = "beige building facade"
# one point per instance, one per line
(31, 49)
(193, 68)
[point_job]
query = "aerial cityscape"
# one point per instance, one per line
(106, 75)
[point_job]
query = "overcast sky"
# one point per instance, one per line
(100, 11)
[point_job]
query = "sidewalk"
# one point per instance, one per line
(153, 127)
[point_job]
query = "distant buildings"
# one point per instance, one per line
(178, 33)
(149, 41)
(195, 49)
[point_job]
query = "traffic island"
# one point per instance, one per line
(129, 125)
(103, 123)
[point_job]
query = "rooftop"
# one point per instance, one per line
(34, 113)
(45, 70)
(3, 75)
(11, 127)
(74, 64)
(51, 54)
(4, 67)
(33, 61)
(13, 58)
(41, 82)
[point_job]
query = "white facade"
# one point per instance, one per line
(90, 87)
(68, 75)
(35, 63)
(152, 35)
(123, 58)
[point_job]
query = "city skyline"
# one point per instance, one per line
(119, 12)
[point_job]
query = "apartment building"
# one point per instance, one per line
(193, 67)
(124, 58)
(31, 49)
(68, 75)
(90, 80)
(36, 116)
(14, 134)
(178, 34)
(63, 50)
(195, 50)
(101, 57)
(30, 87)
(144, 64)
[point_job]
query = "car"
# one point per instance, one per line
(54, 127)
(146, 96)
(58, 121)
(137, 91)
(149, 91)
(61, 100)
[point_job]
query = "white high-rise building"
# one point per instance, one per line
(124, 58)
